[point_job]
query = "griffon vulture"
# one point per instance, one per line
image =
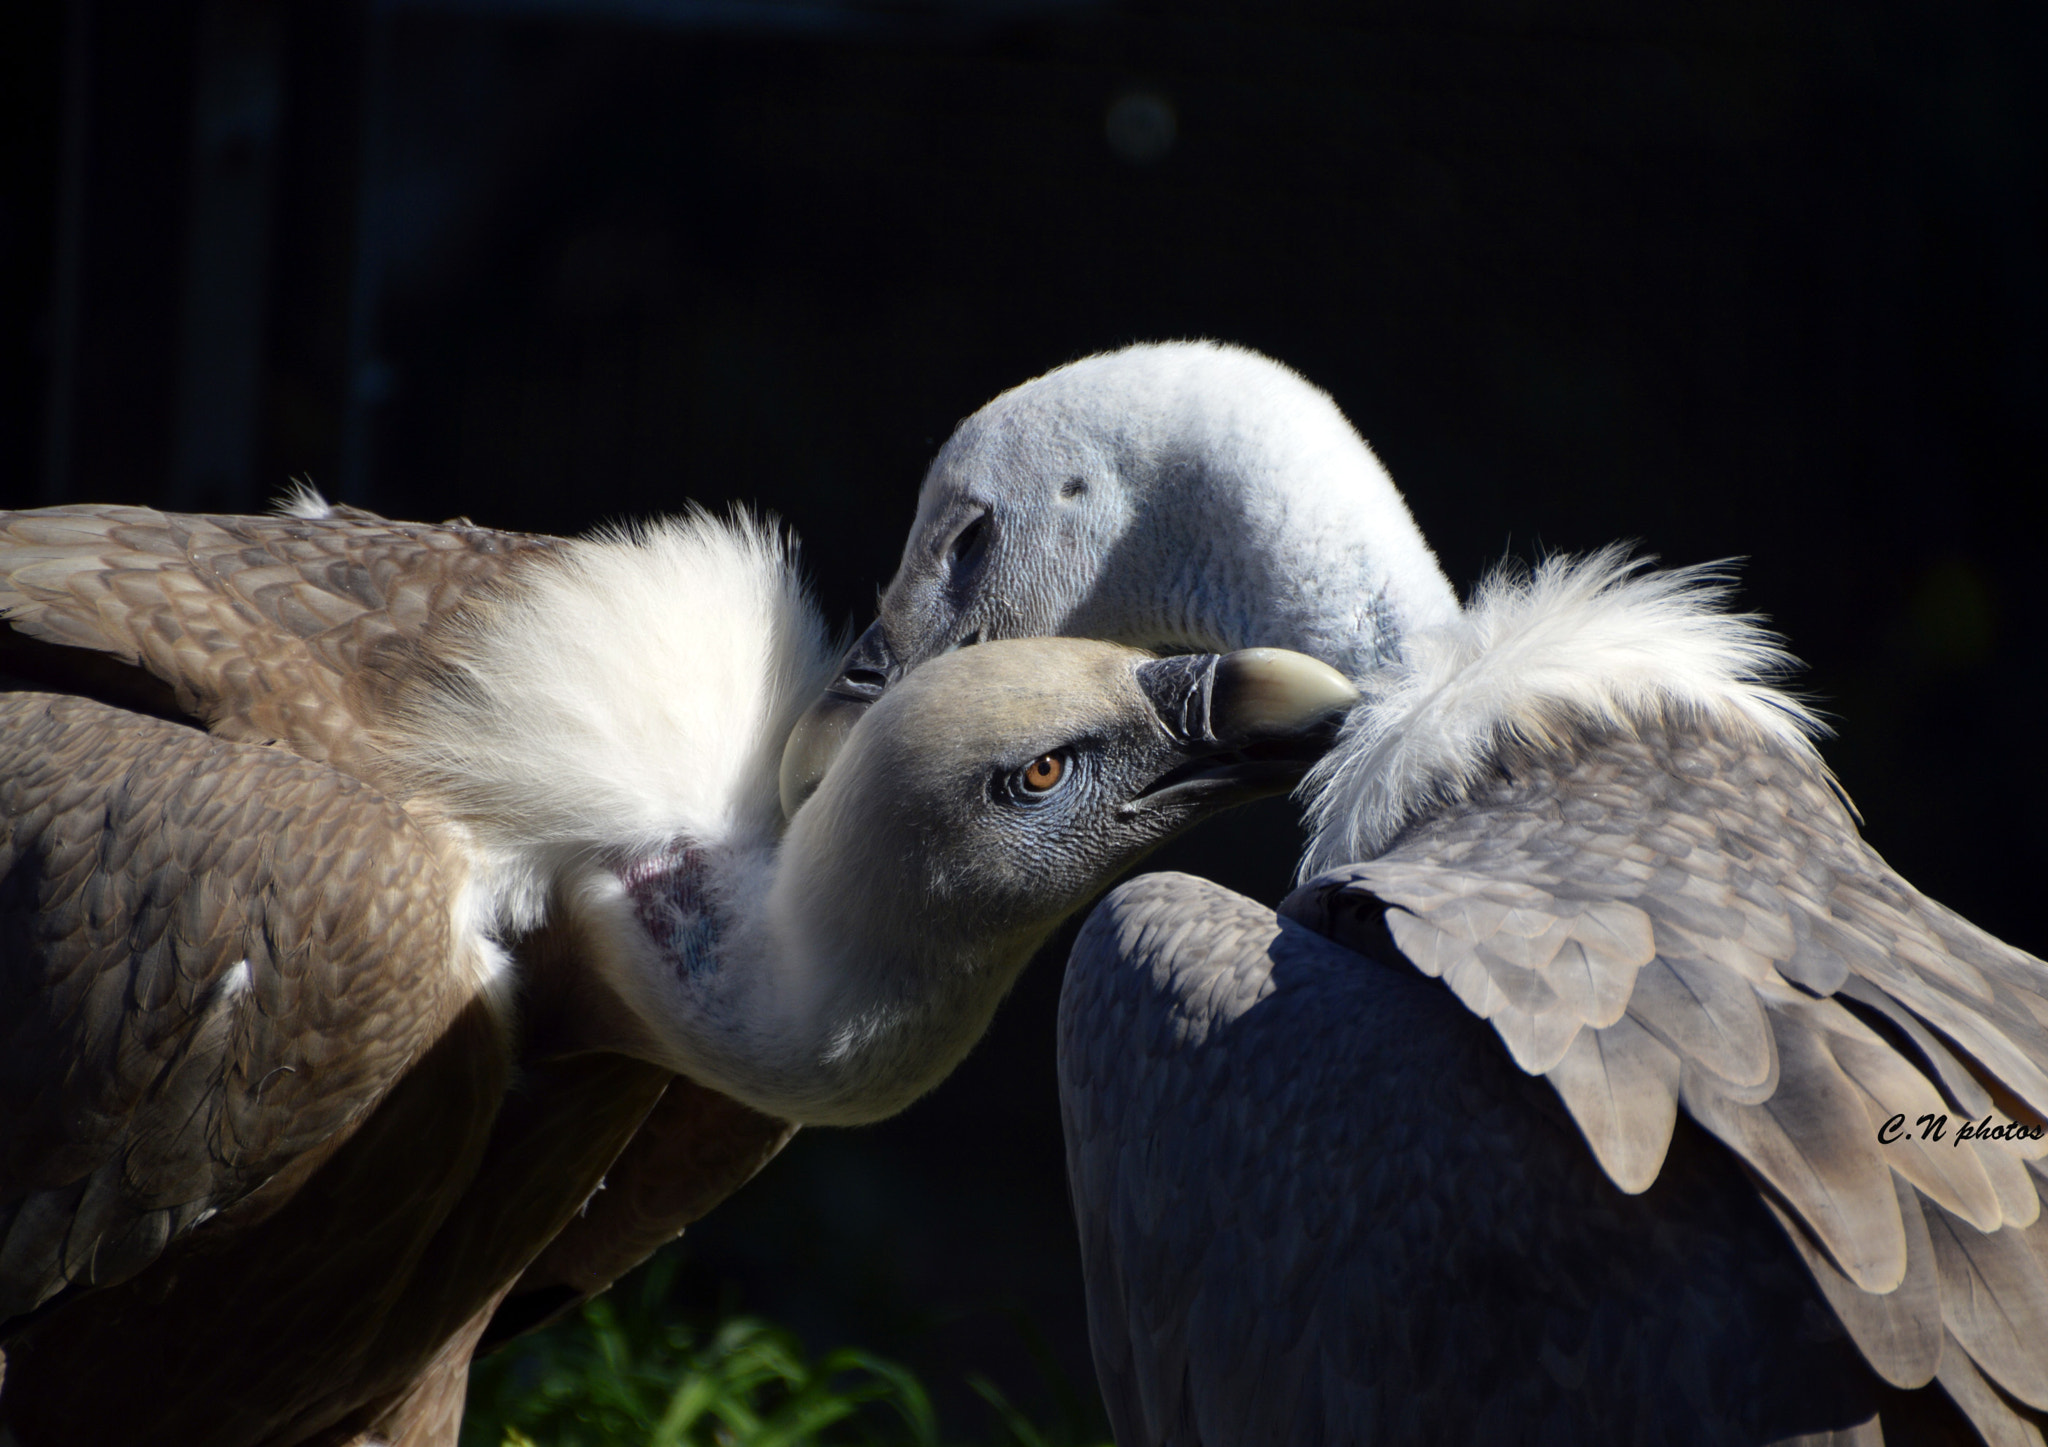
(1751, 1147)
(367, 888)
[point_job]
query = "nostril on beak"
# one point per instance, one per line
(865, 682)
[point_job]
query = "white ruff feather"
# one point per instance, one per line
(632, 691)
(1593, 641)
(303, 500)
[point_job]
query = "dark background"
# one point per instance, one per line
(1729, 279)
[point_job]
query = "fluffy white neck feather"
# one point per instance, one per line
(1592, 640)
(629, 691)
(606, 732)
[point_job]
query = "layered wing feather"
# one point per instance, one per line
(695, 1148)
(264, 629)
(1316, 1204)
(214, 960)
(1683, 917)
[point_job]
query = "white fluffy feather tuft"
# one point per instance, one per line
(1594, 640)
(303, 500)
(632, 691)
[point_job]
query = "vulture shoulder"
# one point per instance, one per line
(218, 956)
(1680, 917)
(256, 1136)
(215, 960)
(1318, 1204)
(292, 630)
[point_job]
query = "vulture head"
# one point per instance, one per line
(1184, 496)
(965, 816)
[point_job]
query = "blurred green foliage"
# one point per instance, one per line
(624, 1373)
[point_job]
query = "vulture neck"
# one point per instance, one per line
(788, 977)
(1317, 554)
(603, 736)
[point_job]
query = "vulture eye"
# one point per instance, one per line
(1040, 779)
(1044, 773)
(967, 545)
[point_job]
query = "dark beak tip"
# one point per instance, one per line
(869, 668)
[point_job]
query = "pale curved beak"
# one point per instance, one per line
(1268, 691)
(866, 672)
(813, 744)
(1233, 698)
(1246, 724)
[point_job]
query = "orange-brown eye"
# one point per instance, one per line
(1044, 772)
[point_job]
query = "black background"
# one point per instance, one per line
(1743, 279)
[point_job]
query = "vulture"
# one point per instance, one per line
(371, 892)
(1598, 1084)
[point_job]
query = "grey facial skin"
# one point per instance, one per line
(972, 809)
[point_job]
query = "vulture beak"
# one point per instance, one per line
(1249, 723)
(868, 670)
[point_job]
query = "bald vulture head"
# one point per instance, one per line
(1181, 496)
(968, 814)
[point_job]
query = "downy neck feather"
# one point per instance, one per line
(1589, 641)
(625, 696)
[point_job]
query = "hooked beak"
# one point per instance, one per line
(1248, 724)
(868, 670)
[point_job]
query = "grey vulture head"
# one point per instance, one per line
(370, 892)
(1597, 1053)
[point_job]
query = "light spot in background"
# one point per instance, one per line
(1140, 126)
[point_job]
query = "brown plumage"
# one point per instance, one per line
(200, 907)
(371, 892)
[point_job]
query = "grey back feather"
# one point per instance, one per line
(1799, 996)
(1317, 1205)
(1678, 927)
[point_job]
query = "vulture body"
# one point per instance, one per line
(1571, 831)
(371, 892)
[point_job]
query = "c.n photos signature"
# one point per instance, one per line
(1935, 1127)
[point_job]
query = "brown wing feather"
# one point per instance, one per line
(1780, 983)
(695, 1148)
(214, 960)
(264, 629)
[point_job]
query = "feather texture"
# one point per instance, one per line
(1316, 1206)
(1779, 985)
(250, 950)
(548, 717)
(1595, 639)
